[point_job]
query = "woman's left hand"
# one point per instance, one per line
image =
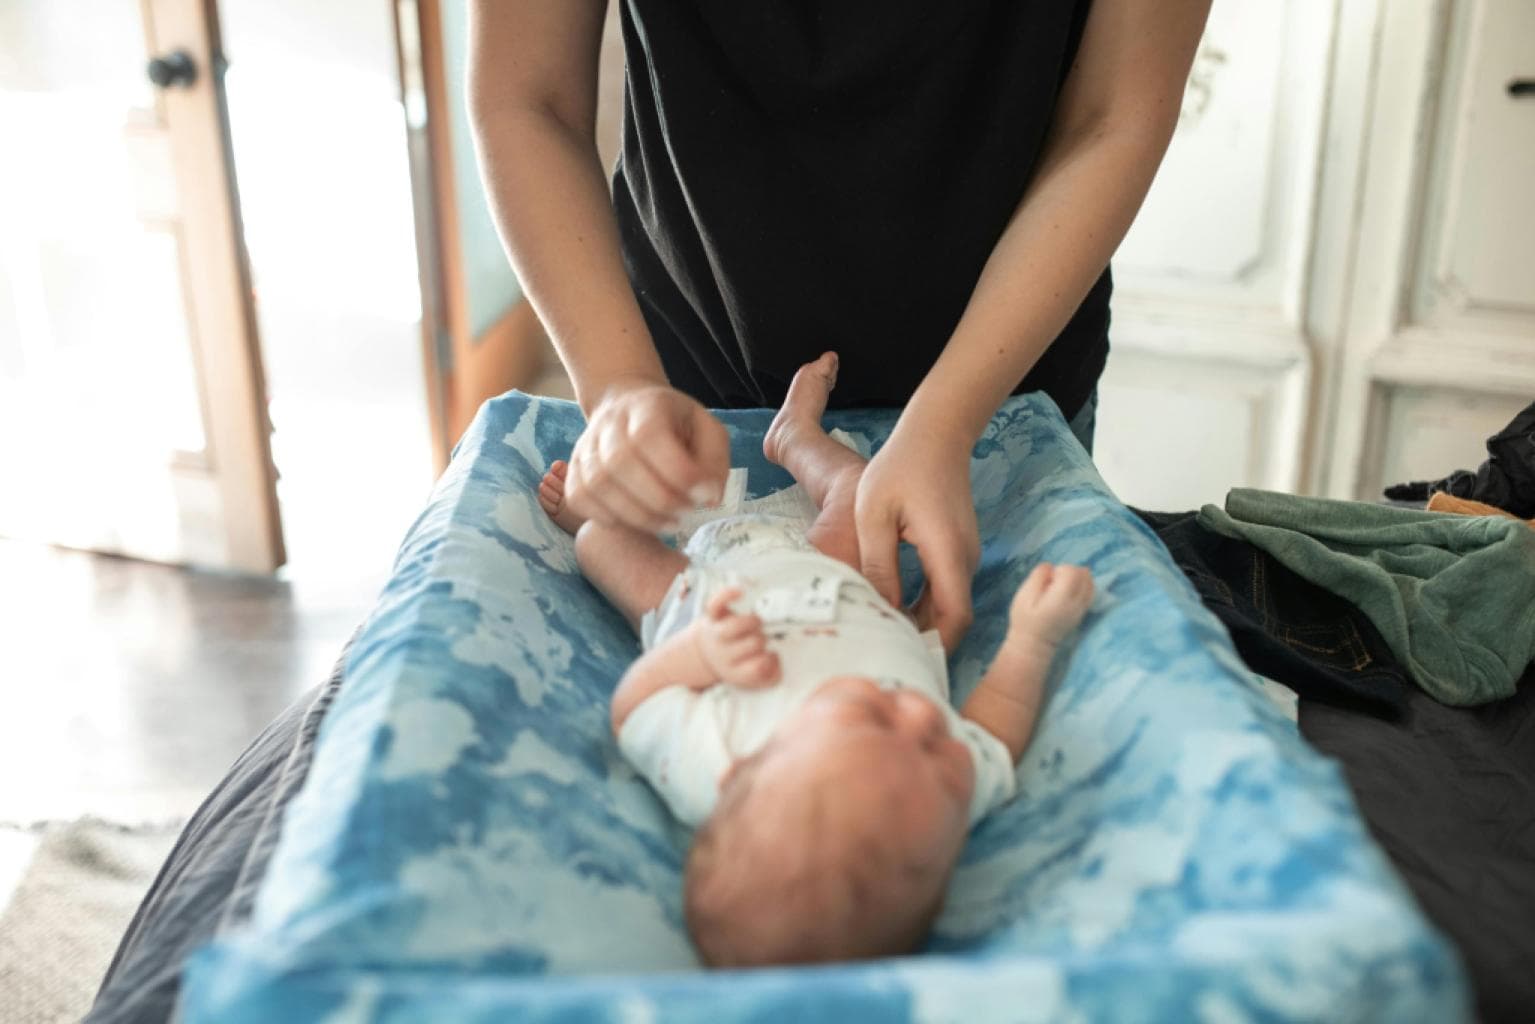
(917, 489)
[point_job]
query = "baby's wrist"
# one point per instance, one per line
(1024, 643)
(705, 674)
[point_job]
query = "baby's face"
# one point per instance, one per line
(846, 832)
(887, 760)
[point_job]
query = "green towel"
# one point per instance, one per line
(1454, 596)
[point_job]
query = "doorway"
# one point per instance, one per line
(132, 411)
(320, 147)
(137, 409)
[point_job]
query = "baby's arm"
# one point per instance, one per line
(1048, 606)
(719, 647)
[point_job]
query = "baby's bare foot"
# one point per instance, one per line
(804, 404)
(551, 496)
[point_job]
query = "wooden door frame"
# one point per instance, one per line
(226, 348)
(462, 368)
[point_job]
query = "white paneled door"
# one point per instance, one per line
(132, 414)
(1440, 340)
(1330, 287)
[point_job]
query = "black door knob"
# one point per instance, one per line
(1521, 87)
(173, 69)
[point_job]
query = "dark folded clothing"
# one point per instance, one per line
(1449, 793)
(1453, 596)
(1506, 480)
(1284, 626)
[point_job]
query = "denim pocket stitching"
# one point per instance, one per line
(1200, 579)
(1348, 639)
(1259, 580)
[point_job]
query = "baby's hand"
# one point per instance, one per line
(1050, 603)
(733, 645)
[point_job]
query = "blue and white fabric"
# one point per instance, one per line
(471, 846)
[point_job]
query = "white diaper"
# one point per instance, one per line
(791, 503)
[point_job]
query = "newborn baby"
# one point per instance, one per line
(801, 723)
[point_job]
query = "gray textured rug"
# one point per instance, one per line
(68, 910)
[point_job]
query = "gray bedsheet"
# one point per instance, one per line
(212, 873)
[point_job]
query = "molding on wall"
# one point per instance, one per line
(1255, 337)
(1493, 363)
(1252, 408)
(1397, 122)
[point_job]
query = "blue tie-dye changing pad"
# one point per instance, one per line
(469, 845)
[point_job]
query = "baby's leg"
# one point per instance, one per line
(632, 569)
(827, 470)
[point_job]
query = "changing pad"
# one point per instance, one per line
(470, 846)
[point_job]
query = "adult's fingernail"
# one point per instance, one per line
(702, 494)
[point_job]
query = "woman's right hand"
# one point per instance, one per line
(649, 455)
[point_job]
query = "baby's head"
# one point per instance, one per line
(836, 840)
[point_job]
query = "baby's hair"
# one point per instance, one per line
(740, 881)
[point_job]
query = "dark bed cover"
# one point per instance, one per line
(1449, 793)
(212, 873)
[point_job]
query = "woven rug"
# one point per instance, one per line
(63, 912)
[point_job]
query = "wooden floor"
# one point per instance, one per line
(127, 689)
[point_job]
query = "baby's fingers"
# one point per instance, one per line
(761, 670)
(718, 606)
(738, 627)
(1068, 599)
(1075, 582)
(746, 647)
(1033, 587)
(1039, 580)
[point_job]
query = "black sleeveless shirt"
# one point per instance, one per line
(804, 175)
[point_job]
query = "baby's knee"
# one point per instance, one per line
(589, 543)
(837, 539)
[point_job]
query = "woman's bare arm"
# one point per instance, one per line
(649, 453)
(532, 92)
(1113, 122)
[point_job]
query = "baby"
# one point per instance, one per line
(800, 722)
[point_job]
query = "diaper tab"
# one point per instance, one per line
(934, 643)
(816, 601)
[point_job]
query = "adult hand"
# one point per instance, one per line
(648, 455)
(917, 489)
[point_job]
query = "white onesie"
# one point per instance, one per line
(822, 619)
